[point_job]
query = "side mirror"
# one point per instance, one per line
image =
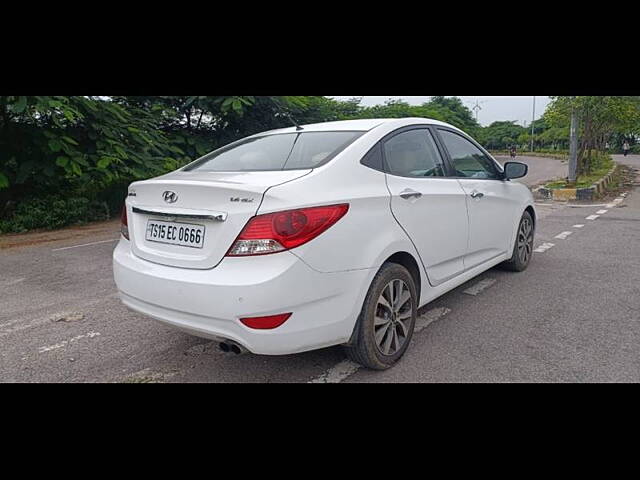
(515, 170)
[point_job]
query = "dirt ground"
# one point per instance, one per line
(91, 232)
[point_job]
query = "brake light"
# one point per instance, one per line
(124, 225)
(266, 323)
(275, 232)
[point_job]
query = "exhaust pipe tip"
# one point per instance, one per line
(229, 346)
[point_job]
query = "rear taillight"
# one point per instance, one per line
(275, 232)
(124, 225)
(266, 323)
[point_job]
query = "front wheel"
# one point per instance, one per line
(385, 325)
(523, 248)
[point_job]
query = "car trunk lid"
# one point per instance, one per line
(220, 203)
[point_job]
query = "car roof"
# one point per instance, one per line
(359, 125)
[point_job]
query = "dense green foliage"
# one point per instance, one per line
(66, 160)
(604, 124)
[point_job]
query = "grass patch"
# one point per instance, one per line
(602, 164)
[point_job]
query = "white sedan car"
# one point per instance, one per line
(326, 234)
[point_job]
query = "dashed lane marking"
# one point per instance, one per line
(480, 286)
(544, 247)
(8, 283)
(346, 368)
(580, 225)
(602, 212)
(338, 373)
(592, 217)
(563, 235)
(423, 321)
(64, 343)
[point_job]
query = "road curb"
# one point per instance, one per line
(566, 194)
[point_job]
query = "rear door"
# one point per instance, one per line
(491, 202)
(430, 207)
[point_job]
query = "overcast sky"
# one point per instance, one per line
(494, 109)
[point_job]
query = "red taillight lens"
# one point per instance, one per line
(274, 232)
(265, 323)
(124, 225)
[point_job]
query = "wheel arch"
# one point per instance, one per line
(411, 264)
(532, 212)
(408, 261)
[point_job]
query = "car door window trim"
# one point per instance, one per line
(389, 136)
(452, 170)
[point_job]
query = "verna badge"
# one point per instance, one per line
(170, 197)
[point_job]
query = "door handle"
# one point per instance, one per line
(476, 194)
(408, 193)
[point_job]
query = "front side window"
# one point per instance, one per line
(413, 154)
(467, 159)
(287, 151)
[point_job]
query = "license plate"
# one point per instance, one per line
(174, 233)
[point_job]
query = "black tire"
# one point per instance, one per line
(523, 246)
(364, 348)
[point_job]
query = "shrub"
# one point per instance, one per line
(53, 212)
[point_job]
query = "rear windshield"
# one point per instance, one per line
(286, 151)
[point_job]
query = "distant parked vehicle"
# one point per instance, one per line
(326, 234)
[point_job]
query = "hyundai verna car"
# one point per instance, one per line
(327, 234)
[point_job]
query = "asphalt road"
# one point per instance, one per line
(573, 316)
(541, 169)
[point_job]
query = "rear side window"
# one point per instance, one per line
(373, 159)
(287, 151)
(413, 154)
(467, 159)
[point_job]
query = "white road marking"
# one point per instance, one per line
(8, 283)
(610, 205)
(592, 217)
(36, 322)
(85, 245)
(602, 212)
(337, 373)
(423, 321)
(64, 343)
(346, 368)
(544, 247)
(480, 286)
(587, 206)
(563, 235)
(580, 225)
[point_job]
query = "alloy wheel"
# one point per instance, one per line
(393, 317)
(525, 240)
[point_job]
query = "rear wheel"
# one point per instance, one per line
(385, 325)
(523, 248)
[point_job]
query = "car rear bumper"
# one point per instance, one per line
(209, 303)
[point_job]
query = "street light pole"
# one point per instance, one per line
(533, 119)
(573, 147)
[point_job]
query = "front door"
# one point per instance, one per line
(491, 205)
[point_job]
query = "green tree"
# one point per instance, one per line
(600, 119)
(499, 135)
(47, 142)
